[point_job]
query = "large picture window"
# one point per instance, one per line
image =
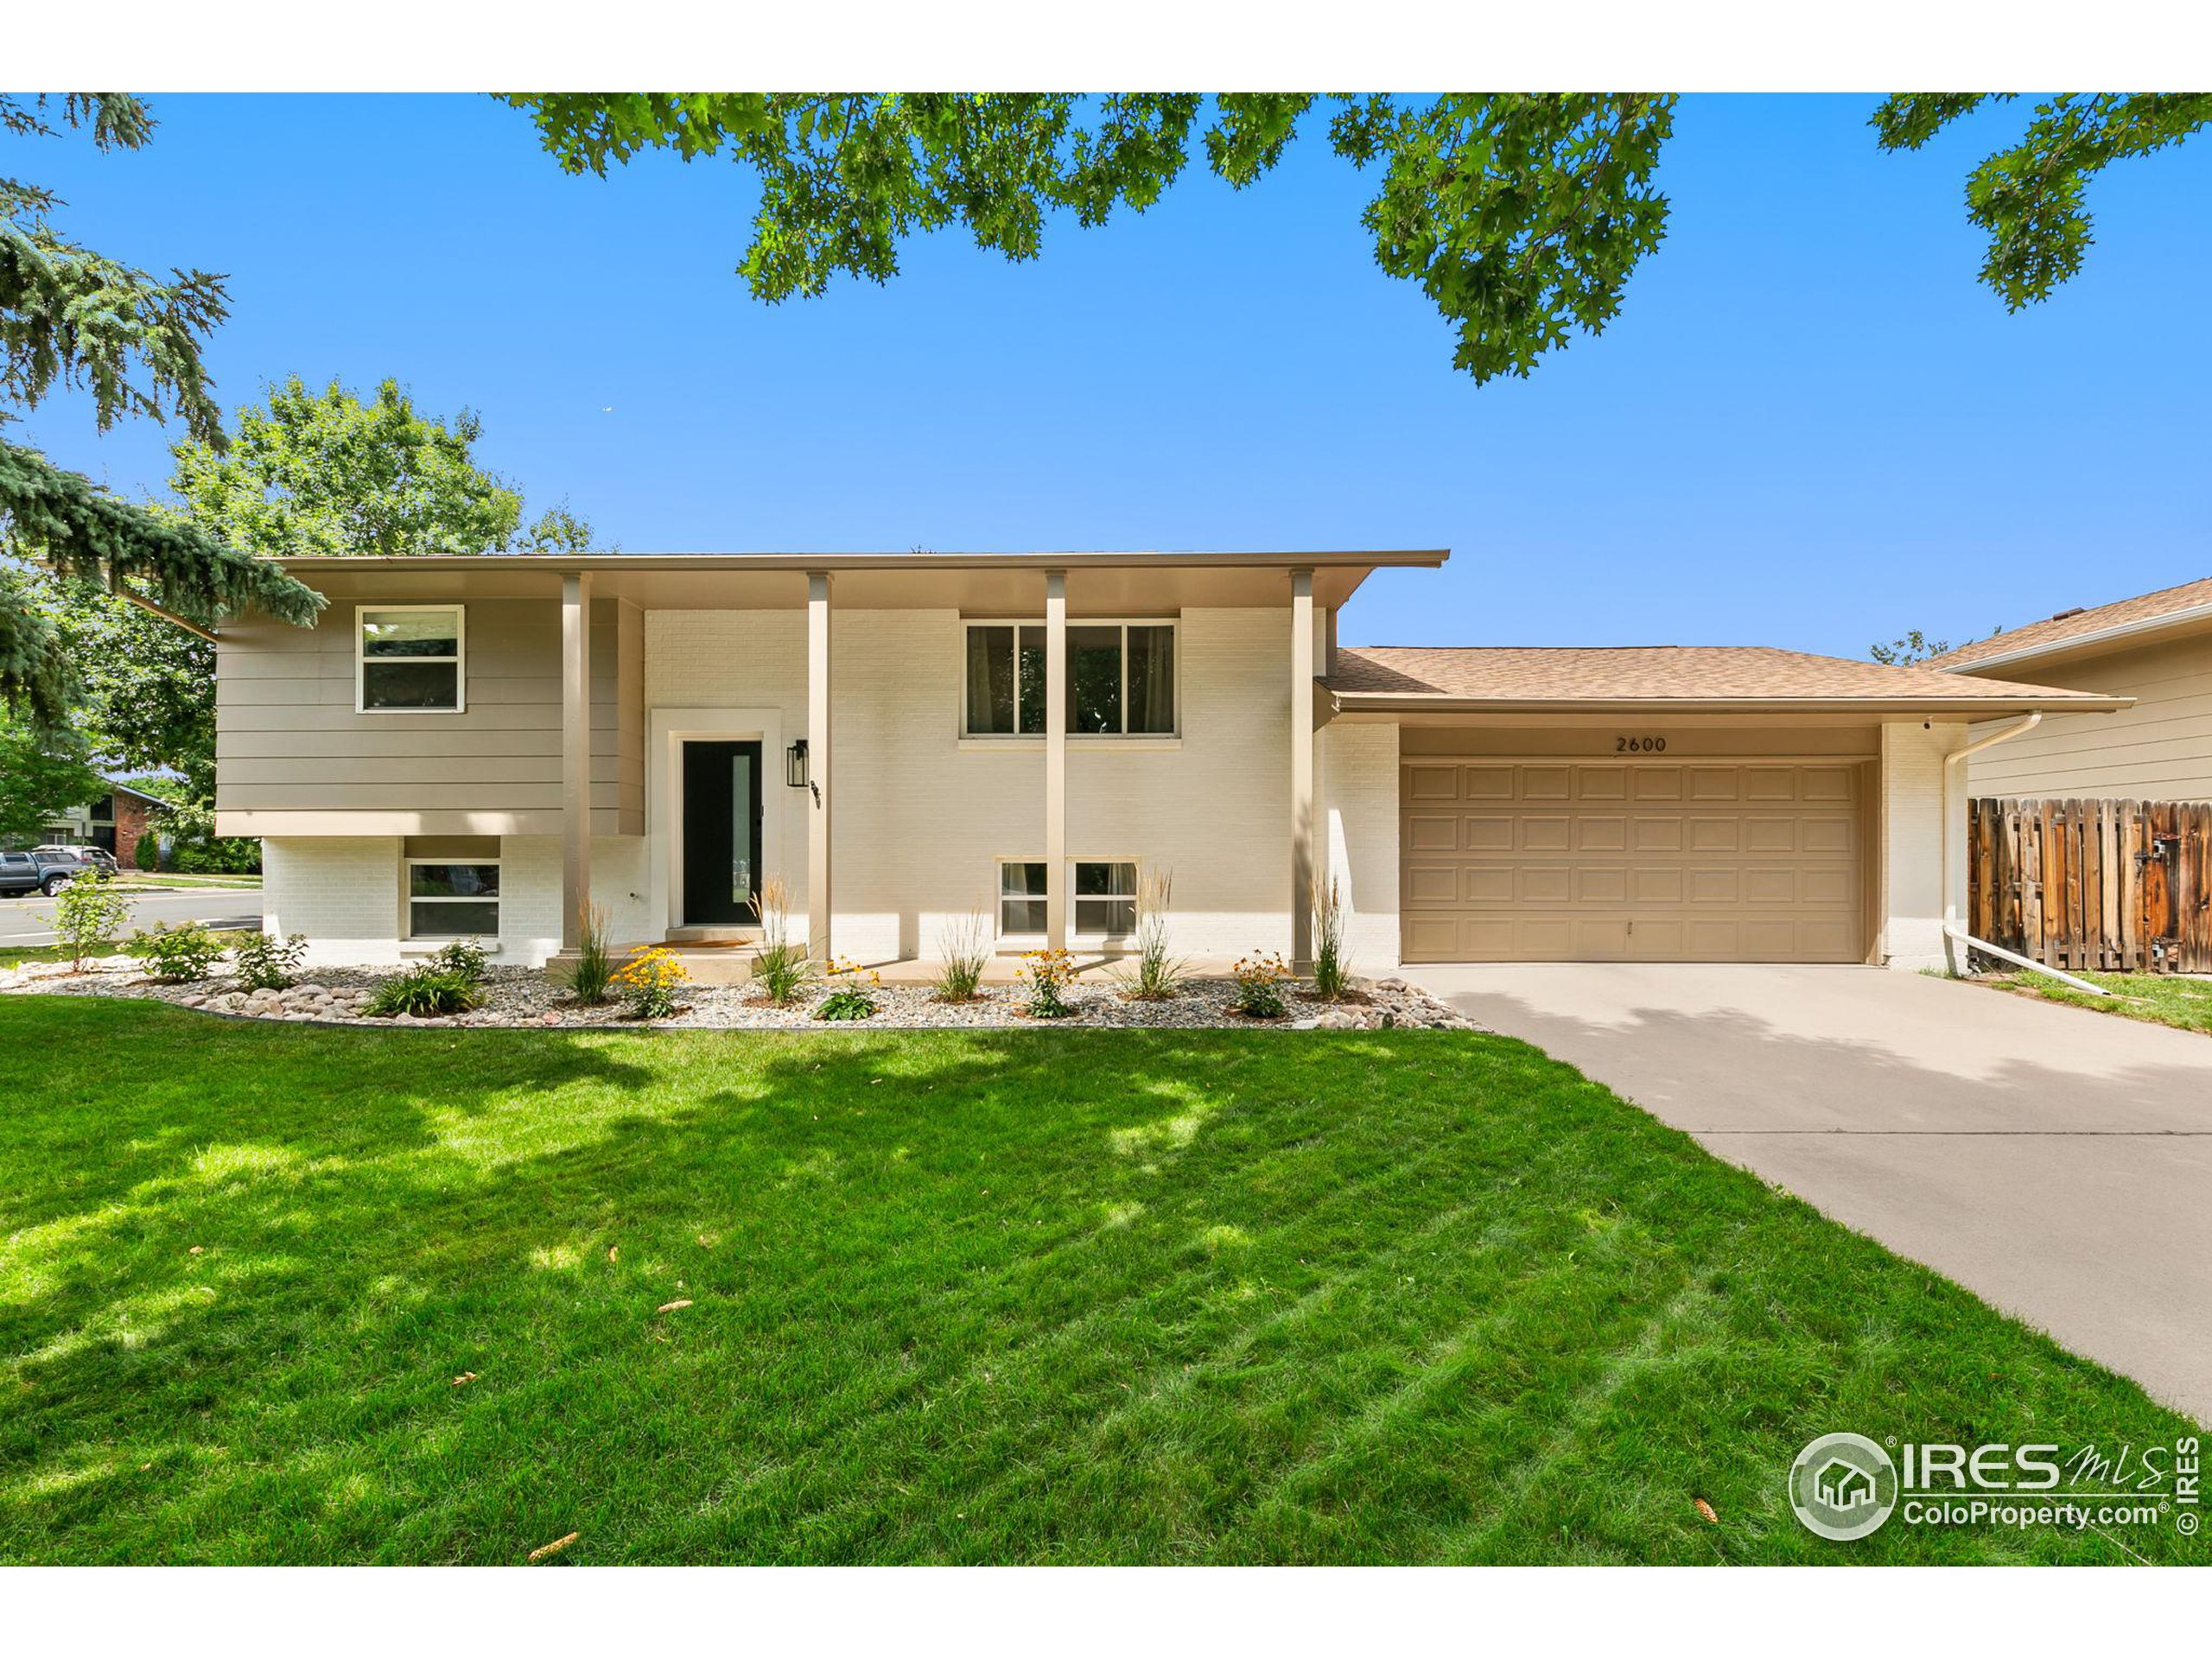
(1120, 679)
(451, 901)
(408, 659)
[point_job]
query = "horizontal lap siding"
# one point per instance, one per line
(289, 741)
(2160, 749)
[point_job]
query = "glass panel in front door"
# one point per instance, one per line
(741, 819)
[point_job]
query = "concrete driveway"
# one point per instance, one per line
(2055, 1161)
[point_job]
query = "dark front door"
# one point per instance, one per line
(722, 832)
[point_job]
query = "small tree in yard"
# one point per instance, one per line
(88, 918)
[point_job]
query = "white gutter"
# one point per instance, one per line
(1953, 933)
(2164, 622)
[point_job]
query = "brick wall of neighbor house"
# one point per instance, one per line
(133, 821)
(922, 815)
(1357, 797)
(1911, 834)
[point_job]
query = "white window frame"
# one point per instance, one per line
(1000, 896)
(1075, 934)
(967, 733)
(409, 898)
(1076, 901)
(459, 659)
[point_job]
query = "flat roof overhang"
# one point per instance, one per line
(1099, 583)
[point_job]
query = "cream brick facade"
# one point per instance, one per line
(1913, 822)
(922, 815)
(1356, 794)
(342, 892)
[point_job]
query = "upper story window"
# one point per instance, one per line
(1120, 679)
(408, 658)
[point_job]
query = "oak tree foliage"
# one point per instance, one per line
(1520, 216)
(2031, 197)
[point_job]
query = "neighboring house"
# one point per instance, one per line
(485, 745)
(2156, 649)
(118, 821)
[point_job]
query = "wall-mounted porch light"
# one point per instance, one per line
(794, 769)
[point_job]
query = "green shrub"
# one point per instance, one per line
(176, 955)
(220, 855)
(1259, 986)
(1047, 975)
(268, 963)
(423, 992)
(964, 947)
(1331, 967)
(780, 968)
(89, 917)
(1157, 972)
(648, 982)
(464, 959)
(853, 997)
(593, 971)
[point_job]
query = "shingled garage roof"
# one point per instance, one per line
(2069, 630)
(1687, 678)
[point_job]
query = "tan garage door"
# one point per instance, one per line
(1575, 862)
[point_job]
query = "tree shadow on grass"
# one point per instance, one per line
(1147, 1296)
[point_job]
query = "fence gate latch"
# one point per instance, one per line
(2164, 849)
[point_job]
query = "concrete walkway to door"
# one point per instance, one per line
(2055, 1161)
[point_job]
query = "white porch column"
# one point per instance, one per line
(1301, 768)
(817, 762)
(576, 755)
(1056, 760)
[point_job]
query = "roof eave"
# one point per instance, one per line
(1395, 558)
(1441, 703)
(2142, 630)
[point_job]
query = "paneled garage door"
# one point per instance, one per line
(1649, 861)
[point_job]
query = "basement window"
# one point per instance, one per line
(1104, 897)
(451, 901)
(407, 660)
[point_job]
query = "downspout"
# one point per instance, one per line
(1954, 934)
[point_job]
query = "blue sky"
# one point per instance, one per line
(1810, 427)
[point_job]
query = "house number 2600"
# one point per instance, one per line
(1639, 746)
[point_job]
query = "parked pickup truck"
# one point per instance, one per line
(43, 872)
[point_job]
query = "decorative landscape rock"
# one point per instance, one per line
(519, 996)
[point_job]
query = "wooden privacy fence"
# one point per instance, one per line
(2121, 886)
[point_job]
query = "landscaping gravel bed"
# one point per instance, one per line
(523, 997)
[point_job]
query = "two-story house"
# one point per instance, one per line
(486, 746)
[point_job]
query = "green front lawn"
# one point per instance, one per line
(142, 881)
(12, 954)
(2161, 999)
(1414, 1296)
